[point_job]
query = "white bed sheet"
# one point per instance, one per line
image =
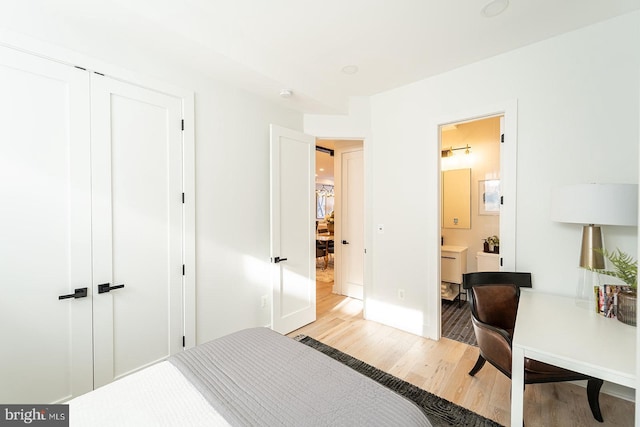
(167, 399)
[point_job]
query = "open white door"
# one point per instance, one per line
(293, 288)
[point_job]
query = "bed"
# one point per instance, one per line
(249, 378)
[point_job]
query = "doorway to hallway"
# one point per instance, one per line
(340, 214)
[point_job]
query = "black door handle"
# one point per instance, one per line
(106, 288)
(78, 293)
(344, 242)
(278, 259)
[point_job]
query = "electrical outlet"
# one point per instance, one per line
(400, 294)
(263, 301)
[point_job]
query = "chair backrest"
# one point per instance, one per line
(495, 295)
(496, 305)
(521, 280)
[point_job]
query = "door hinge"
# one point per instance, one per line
(184, 341)
(500, 261)
(502, 200)
(182, 124)
(183, 269)
(502, 138)
(182, 197)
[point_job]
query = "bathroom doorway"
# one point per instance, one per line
(470, 214)
(340, 217)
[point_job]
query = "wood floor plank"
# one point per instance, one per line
(442, 368)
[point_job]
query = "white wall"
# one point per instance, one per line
(232, 202)
(577, 106)
(232, 207)
(577, 98)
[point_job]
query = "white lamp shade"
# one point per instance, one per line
(602, 204)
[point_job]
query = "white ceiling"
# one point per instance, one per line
(324, 162)
(302, 45)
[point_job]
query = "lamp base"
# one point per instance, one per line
(591, 239)
(587, 289)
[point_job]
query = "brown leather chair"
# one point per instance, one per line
(494, 300)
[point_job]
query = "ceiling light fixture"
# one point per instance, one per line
(325, 190)
(286, 93)
(350, 69)
(494, 8)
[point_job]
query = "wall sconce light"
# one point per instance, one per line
(449, 151)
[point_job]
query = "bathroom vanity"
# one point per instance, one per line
(453, 264)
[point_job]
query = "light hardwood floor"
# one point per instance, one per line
(441, 368)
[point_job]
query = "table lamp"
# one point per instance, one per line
(593, 205)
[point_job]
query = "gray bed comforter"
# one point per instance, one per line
(257, 377)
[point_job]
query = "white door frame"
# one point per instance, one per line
(368, 207)
(509, 109)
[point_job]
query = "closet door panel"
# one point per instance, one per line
(45, 246)
(137, 220)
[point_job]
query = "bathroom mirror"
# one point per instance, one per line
(456, 198)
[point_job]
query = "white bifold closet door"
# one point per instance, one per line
(45, 230)
(136, 164)
(90, 190)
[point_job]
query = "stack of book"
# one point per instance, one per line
(606, 297)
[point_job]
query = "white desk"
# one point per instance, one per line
(554, 330)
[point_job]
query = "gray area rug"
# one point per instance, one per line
(440, 412)
(456, 322)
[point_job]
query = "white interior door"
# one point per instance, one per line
(352, 224)
(45, 220)
(508, 173)
(293, 299)
(137, 219)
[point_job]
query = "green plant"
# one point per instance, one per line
(625, 267)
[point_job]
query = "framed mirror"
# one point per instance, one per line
(456, 198)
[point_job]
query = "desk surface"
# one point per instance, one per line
(555, 330)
